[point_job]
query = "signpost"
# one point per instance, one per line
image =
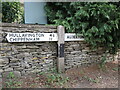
(37, 37)
(61, 40)
(61, 37)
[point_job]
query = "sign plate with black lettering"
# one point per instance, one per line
(37, 37)
(31, 37)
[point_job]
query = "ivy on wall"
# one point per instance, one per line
(98, 22)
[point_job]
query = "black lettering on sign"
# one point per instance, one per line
(51, 37)
(72, 37)
(39, 35)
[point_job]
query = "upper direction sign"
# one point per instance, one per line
(31, 37)
(36, 37)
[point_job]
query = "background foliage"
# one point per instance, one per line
(12, 12)
(98, 22)
(0, 11)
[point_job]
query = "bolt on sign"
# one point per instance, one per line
(60, 37)
(37, 37)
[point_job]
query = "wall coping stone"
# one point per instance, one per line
(27, 25)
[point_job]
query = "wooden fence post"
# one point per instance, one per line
(60, 60)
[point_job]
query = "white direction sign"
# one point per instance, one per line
(31, 37)
(36, 37)
(73, 37)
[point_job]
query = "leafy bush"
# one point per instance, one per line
(0, 11)
(12, 12)
(98, 22)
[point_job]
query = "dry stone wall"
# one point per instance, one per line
(34, 57)
(80, 53)
(24, 58)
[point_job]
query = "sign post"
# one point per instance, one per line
(60, 60)
(60, 36)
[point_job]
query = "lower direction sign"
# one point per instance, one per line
(36, 37)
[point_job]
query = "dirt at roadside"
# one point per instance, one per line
(94, 77)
